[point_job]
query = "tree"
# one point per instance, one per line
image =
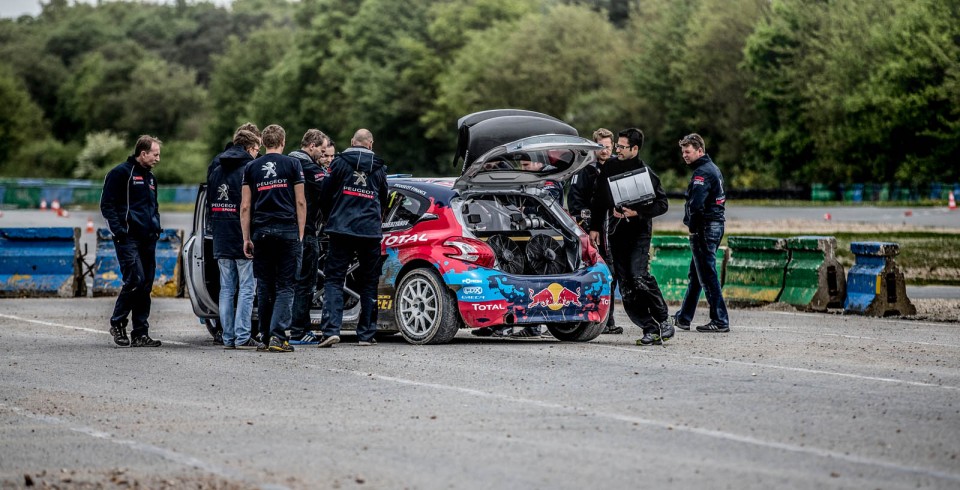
(21, 120)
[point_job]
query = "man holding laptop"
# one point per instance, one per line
(629, 194)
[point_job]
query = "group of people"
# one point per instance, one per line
(265, 213)
(622, 233)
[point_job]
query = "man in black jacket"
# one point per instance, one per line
(312, 147)
(703, 214)
(353, 200)
(237, 285)
(582, 187)
(272, 216)
(129, 205)
(629, 231)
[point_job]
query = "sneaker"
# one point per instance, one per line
(229, 347)
(714, 328)
(277, 346)
(144, 341)
(527, 333)
(502, 331)
(482, 332)
(612, 330)
(675, 321)
(308, 338)
(367, 343)
(649, 339)
(248, 345)
(261, 347)
(328, 341)
(119, 332)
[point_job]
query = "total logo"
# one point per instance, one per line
(554, 297)
(488, 307)
(403, 239)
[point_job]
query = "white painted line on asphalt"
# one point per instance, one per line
(165, 453)
(856, 337)
(883, 320)
(728, 436)
(73, 327)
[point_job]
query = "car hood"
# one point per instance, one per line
(528, 162)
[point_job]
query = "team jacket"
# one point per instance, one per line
(271, 179)
(705, 196)
(354, 195)
(129, 201)
(602, 202)
(223, 200)
(582, 186)
(313, 176)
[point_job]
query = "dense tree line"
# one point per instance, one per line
(785, 92)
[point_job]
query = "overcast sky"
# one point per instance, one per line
(16, 8)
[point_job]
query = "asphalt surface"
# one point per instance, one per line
(786, 400)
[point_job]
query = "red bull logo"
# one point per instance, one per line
(554, 297)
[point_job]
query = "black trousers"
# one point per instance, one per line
(642, 299)
(138, 266)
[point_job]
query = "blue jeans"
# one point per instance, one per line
(138, 266)
(703, 276)
(339, 256)
(306, 286)
(237, 286)
(276, 261)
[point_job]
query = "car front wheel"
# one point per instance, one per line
(576, 332)
(425, 309)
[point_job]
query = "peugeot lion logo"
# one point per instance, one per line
(361, 178)
(223, 194)
(271, 168)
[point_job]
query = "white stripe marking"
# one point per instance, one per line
(855, 337)
(823, 453)
(73, 327)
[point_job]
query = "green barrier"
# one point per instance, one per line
(814, 280)
(22, 197)
(670, 262)
(755, 270)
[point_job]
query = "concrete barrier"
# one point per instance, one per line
(814, 280)
(875, 284)
(755, 270)
(670, 261)
(40, 262)
(168, 281)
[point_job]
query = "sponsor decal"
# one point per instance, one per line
(360, 178)
(473, 298)
(359, 192)
(404, 239)
(472, 290)
(698, 180)
(471, 281)
(721, 200)
(271, 184)
(384, 301)
(411, 189)
(270, 170)
(396, 224)
(490, 307)
(223, 192)
(554, 297)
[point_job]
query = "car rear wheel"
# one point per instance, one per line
(576, 332)
(425, 309)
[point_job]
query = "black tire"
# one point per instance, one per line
(425, 310)
(216, 331)
(576, 332)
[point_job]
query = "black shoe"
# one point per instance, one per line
(649, 339)
(713, 328)
(612, 330)
(367, 343)
(250, 344)
(144, 341)
(482, 332)
(276, 345)
(119, 332)
(674, 321)
(666, 331)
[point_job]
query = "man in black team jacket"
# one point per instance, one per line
(703, 214)
(629, 231)
(129, 204)
(582, 187)
(353, 199)
(237, 286)
(272, 216)
(312, 148)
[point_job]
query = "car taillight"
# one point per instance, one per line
(471, 250)
(588, 254)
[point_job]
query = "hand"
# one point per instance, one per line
(629, 213)
(248, 249)
(595, 238)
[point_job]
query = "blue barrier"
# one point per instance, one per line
(40, 262)
(167, 282)
(875, 284)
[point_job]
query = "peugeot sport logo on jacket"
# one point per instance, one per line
(355, 194)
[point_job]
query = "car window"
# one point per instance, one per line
(404, 211)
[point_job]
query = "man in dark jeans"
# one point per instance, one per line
(272, 216)
(354, 198)
(703, 215)
(129, 205)
(630, 229)
(312, 148)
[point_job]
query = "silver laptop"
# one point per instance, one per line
(630, 188)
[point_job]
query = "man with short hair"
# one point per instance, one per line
(703, 213)
(273, 213)
(129, 205)
(326, 157)
(583, 185)
(630, 229)
(247, 126)
(237, 285)
(312, 147)
(353, 201)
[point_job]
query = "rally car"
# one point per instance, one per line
(493, 247)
